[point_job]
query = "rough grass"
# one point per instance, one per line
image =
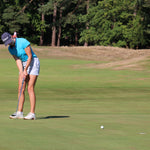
(102, 57)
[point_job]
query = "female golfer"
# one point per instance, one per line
(28, 65)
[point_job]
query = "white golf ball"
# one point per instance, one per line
(102, 127)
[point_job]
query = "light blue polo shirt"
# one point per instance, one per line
(19, 49)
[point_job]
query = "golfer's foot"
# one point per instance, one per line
(30, 116)
(16, 115)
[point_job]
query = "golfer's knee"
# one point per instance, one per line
(30, 89)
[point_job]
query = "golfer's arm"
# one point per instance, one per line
(19, 63)
(28, 52)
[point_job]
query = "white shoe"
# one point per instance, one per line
(30, 116)
(16, 115)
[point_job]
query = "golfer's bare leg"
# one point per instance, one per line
(31, 85)
(22, 97)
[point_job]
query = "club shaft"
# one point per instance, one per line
(20, 94)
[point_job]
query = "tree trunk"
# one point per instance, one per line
(54, 25)
(59, 33)
(86, 43)
(76, 37)
(42, 32)
(87, 24)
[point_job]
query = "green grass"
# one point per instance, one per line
(72, 104)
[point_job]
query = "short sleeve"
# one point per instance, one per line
(25, 43)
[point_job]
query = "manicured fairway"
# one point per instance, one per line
(72, 104)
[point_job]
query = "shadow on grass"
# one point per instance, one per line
(52, 117)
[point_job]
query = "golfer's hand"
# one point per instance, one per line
(25, 74)
(21, 74)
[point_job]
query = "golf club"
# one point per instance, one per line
(20, 93)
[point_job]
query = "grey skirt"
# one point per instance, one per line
(34, 67)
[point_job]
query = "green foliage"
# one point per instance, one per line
(1, 22)
(46, 9)
(14, 21)
(123, 23)
(114, 22)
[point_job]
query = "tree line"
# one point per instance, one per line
(121, 23)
